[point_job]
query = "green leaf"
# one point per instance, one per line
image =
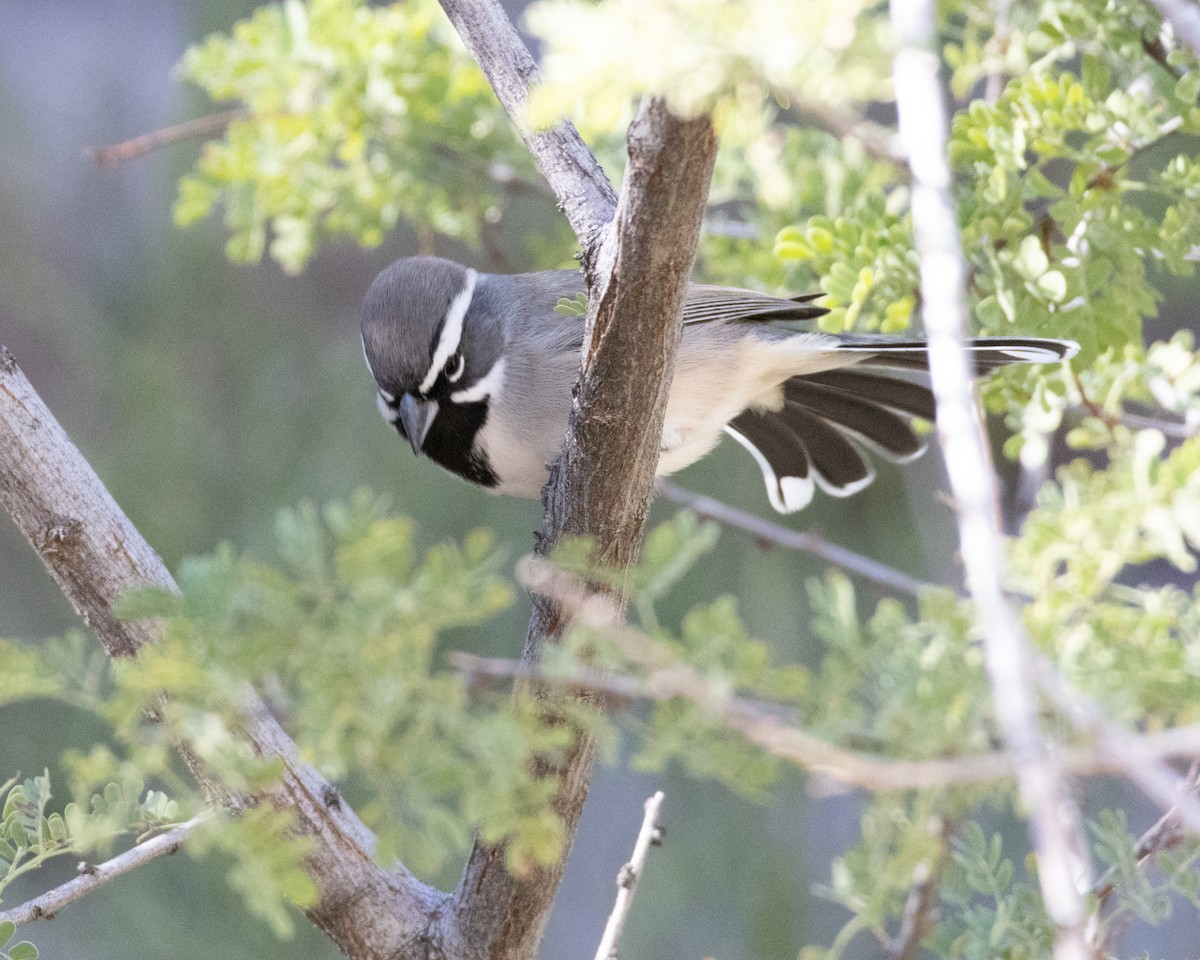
(572, 306)
(1031, 259)
(1053, 284)
(23, 951)
(1187, 88)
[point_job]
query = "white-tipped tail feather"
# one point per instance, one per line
(815, 437)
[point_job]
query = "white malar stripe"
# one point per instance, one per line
(786, 496)
(452, 328)
(390, 413)
(486, 386)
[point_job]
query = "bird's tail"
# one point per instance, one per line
(816, 438)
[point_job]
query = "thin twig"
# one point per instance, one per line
(1184, 18)
(627, 880)
(1157, 51)
(1165, 834)
(891, 579)
(583, 191)
(920, 906)
(1168, 428)
(1158, 781)
(1058, 839)
(112, 154)
(878, 142)
(763, 726)
(46, 906)
(1135, 421)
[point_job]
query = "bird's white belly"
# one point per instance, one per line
(715, 379)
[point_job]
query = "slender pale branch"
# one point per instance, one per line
(767, 531)
(627, 880)
(1059, 843)
(878, 142)
(1158, 781)
(114, 153)
(46, 906)
(96, 556)
(765, 727)
(584, 194)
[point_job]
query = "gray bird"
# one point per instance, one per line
(475, 370)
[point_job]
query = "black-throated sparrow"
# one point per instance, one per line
(476, 370)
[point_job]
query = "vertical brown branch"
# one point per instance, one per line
(601, 486)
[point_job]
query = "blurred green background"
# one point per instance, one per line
(208, 395)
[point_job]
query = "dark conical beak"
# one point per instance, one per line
(416, 416)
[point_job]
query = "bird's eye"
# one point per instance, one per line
(453, 370)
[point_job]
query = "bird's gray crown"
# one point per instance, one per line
(405, 313)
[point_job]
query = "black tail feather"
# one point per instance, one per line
(891, 433)
(989, 353)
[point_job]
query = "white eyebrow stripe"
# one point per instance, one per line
(452, 329)
(487, 386)
(363, 340)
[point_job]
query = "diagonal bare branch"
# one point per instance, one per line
(763, 726)
(627, 880)
(47, 906)
(767, 531)
(584, 194)
(1184, 18)
(96, 555)
(1058, 838)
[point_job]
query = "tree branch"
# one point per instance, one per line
(1058, 839)
(96, 555)
(627, 880)
(878, 142)
(1166, 833)
(767, 531)
(601, 486)
(584, 194)
(920, 907)
(51, 902)
(114, 153)
(1156, 780)
(1184, 18)
(762, 725)
(637, 278)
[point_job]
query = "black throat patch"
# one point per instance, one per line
(450, 442)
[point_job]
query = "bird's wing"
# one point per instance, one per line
(706, 304)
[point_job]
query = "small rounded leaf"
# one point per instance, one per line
(1053, 284)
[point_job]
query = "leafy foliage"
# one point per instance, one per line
(355, 117)
(21, 950)
(32, 834)
(343, 632)
(1078, 188)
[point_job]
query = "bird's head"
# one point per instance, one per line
(435, 350)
